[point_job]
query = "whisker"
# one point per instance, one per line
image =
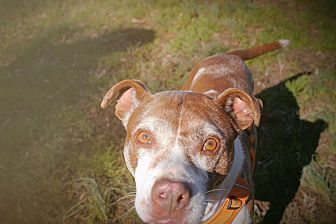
(242, 186)
(124, 197)
(129, 202)
(223, 189)
(128, 211)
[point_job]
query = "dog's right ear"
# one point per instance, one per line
(133, 92)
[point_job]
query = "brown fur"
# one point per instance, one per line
(220, 94)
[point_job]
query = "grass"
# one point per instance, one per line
(317, 185)
(61, 156)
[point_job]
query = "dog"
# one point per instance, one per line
(192, 152)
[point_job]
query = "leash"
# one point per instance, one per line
(232, 205)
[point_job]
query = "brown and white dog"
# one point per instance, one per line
(192, 152)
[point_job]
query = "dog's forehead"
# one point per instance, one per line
(171, 104)
(184, 111)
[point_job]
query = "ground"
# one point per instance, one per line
(61, 155)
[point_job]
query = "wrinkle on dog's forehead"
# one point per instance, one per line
(161, 117)
(175, 115)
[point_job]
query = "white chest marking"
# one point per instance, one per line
(198, 74)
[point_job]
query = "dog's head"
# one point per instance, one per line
(175, 140)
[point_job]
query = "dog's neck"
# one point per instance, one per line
(227, 184)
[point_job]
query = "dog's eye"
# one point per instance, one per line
(211, 144)
(144, 137)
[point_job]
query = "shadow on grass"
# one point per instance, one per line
(50, 75)
(47, 77)
(286, 144)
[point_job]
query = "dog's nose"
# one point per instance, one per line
(170, 195)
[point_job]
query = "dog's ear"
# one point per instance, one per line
(243, 109)
(133, 92)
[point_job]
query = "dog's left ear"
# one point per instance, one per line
(133, 93)
(243, 109)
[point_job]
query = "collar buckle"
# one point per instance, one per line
(234, 203)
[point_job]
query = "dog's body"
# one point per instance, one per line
(192, 152)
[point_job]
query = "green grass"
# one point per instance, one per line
(61, 155)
